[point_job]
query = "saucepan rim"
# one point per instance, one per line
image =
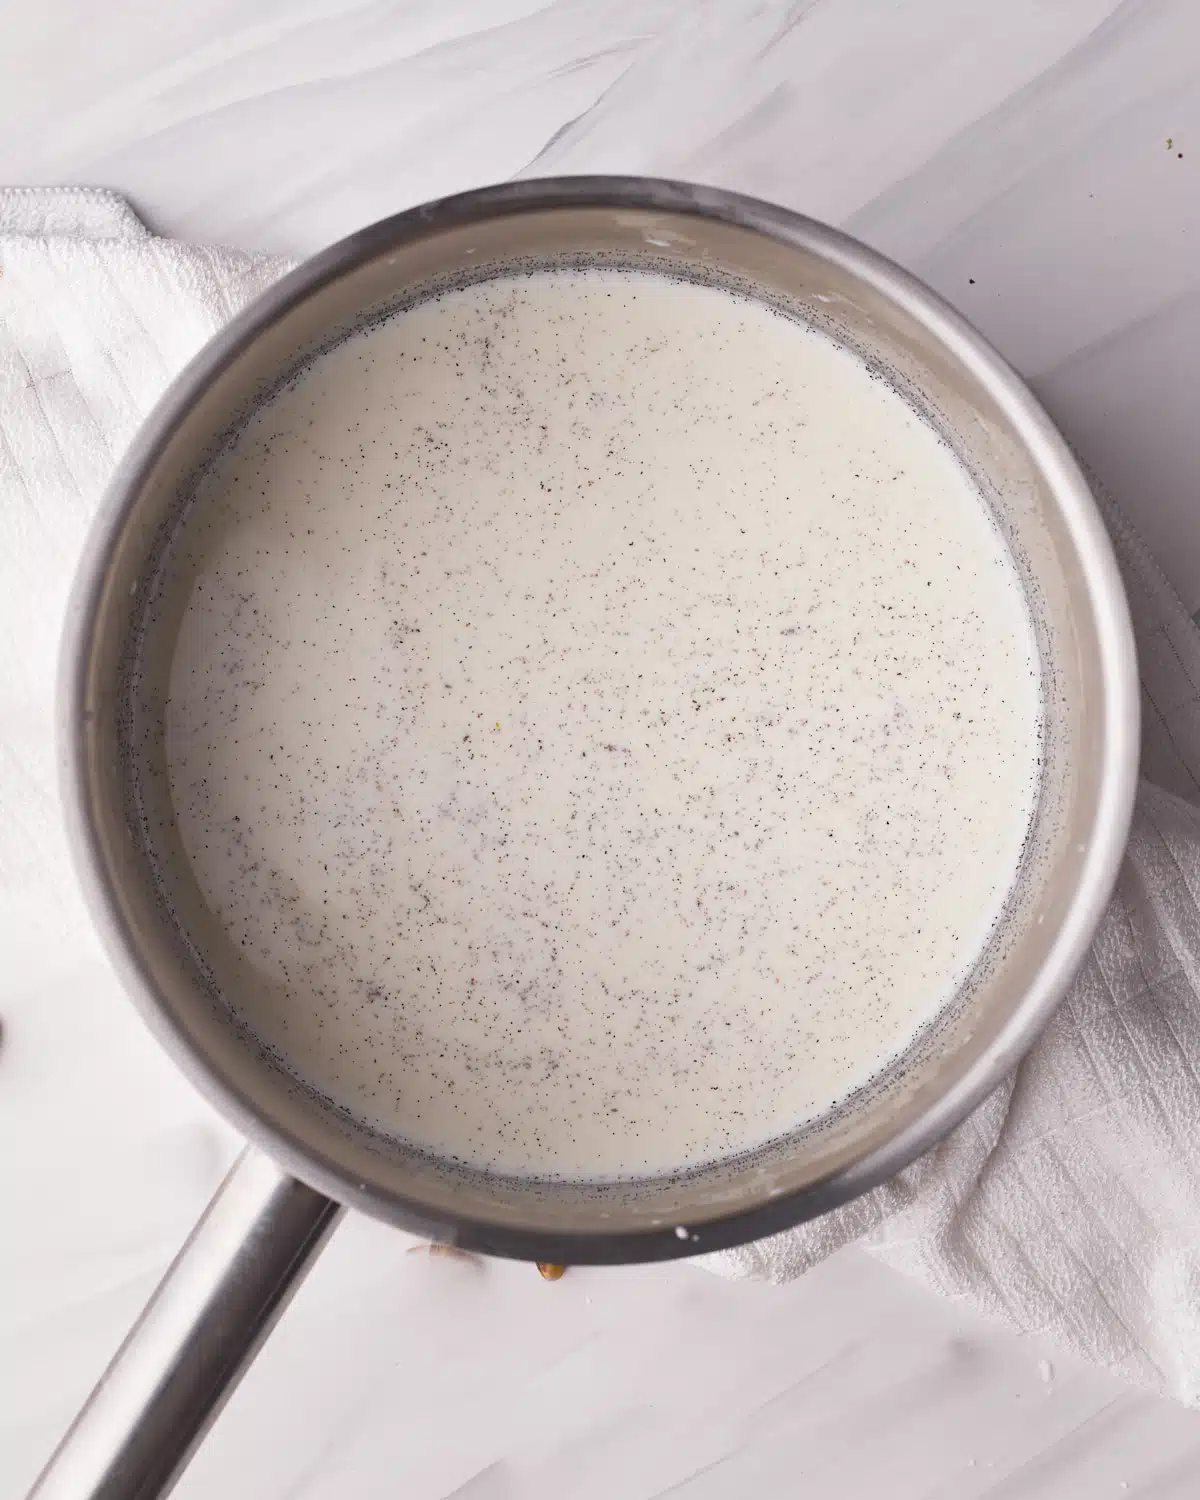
(1116, 780)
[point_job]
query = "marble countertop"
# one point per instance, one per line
(1038, 162)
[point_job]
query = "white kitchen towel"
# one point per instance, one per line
(96, 316)
(1069, 1204)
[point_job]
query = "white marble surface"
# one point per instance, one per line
(1015, 156)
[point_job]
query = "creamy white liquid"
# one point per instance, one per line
(606, 717)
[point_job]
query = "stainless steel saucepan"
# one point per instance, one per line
(307, 1159)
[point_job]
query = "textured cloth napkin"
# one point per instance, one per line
(1069, 1204)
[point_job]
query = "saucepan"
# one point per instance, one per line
(307, 1159)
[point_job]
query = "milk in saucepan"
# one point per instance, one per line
(606, 717)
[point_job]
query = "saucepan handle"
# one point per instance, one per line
(197, 1335)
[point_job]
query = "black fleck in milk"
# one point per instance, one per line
(607, 718)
